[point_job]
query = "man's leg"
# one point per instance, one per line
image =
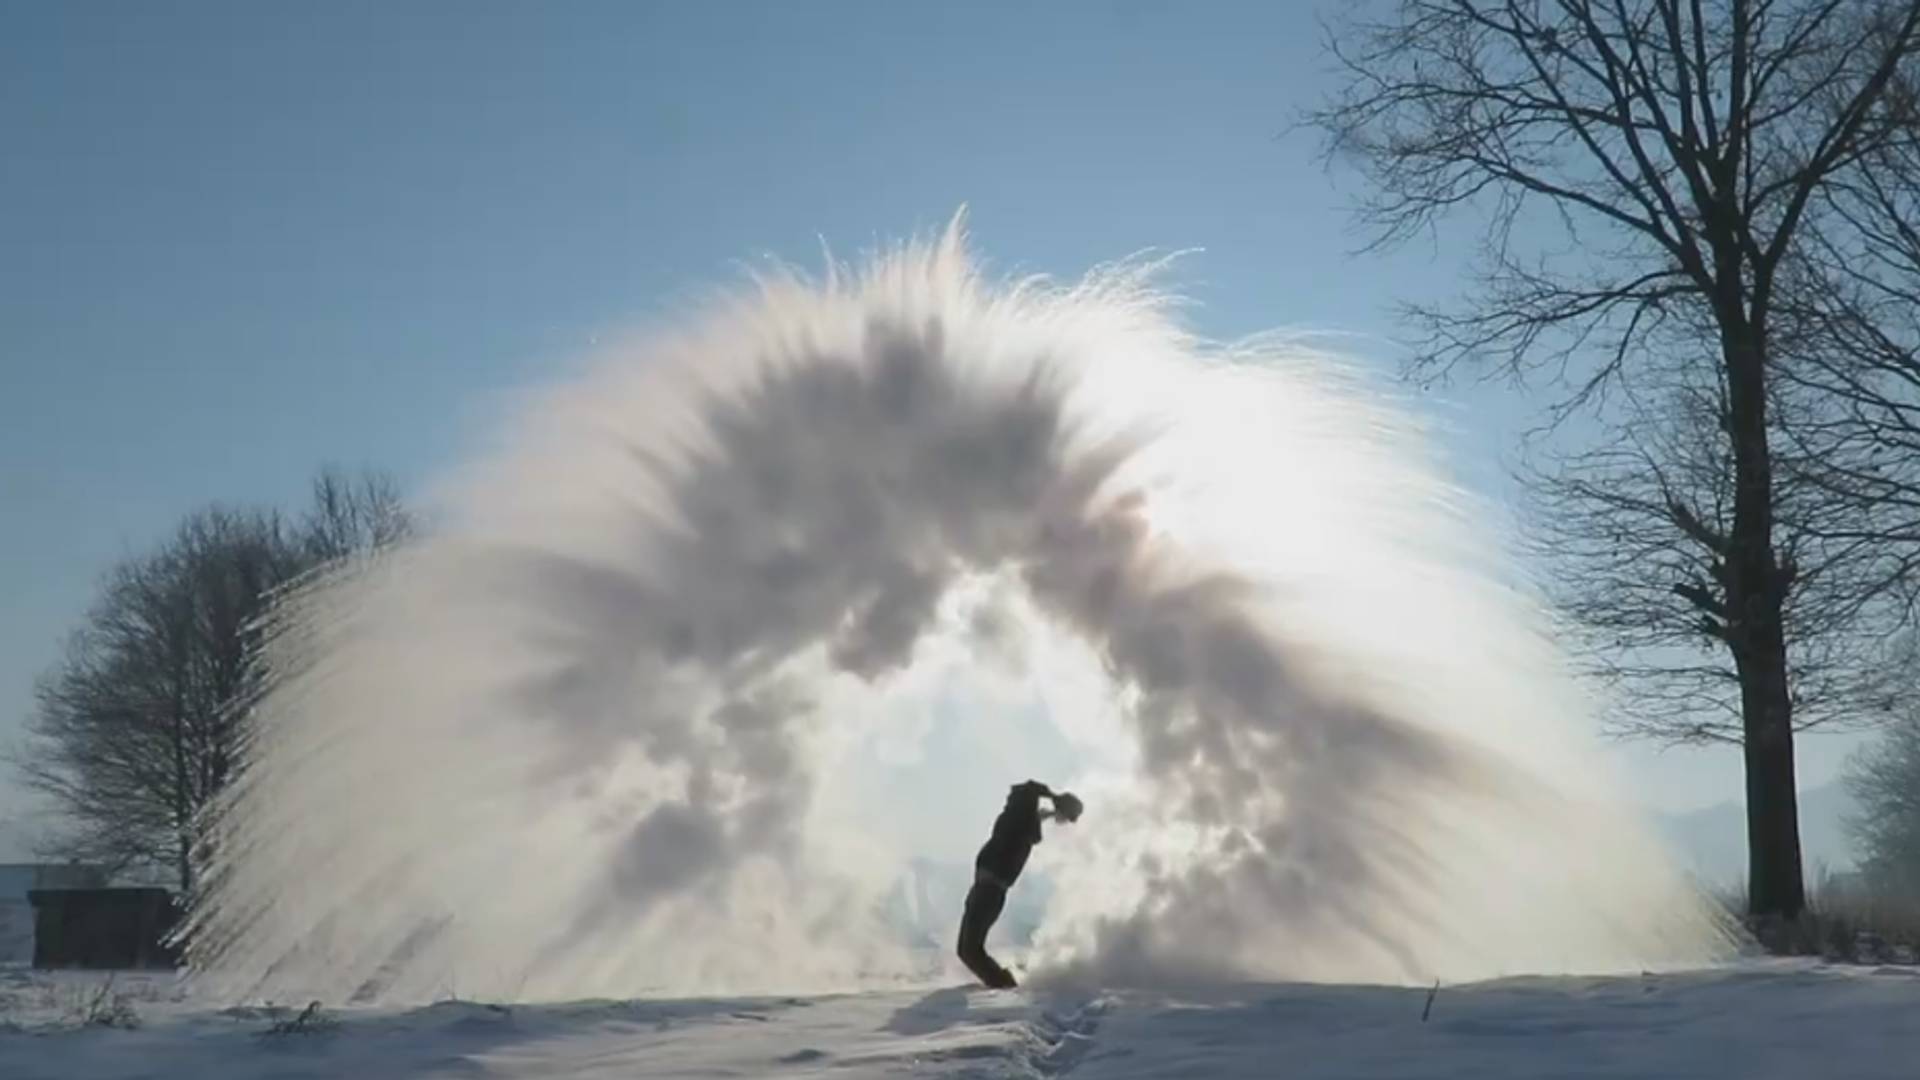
(984, 903)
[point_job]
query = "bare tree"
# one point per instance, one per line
(133, 730)
(1884, 780)
(1648, 167)
(136, 726)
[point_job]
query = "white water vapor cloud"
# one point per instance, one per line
(574, 741)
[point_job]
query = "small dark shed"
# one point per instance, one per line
(102, 928)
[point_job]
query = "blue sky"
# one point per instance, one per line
(238, 241)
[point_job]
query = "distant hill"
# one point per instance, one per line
(1713, 841)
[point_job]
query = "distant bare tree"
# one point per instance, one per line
(133, 730)
(1650, 167)
(1884, 780)
(137, 724)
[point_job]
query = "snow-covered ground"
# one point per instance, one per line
(1753, 1020)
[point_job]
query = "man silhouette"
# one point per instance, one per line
(998, 866)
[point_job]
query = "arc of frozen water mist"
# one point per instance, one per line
(569, 743)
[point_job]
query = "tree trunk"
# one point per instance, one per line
(1756, 594)
(1774, 882)
(181, 812)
